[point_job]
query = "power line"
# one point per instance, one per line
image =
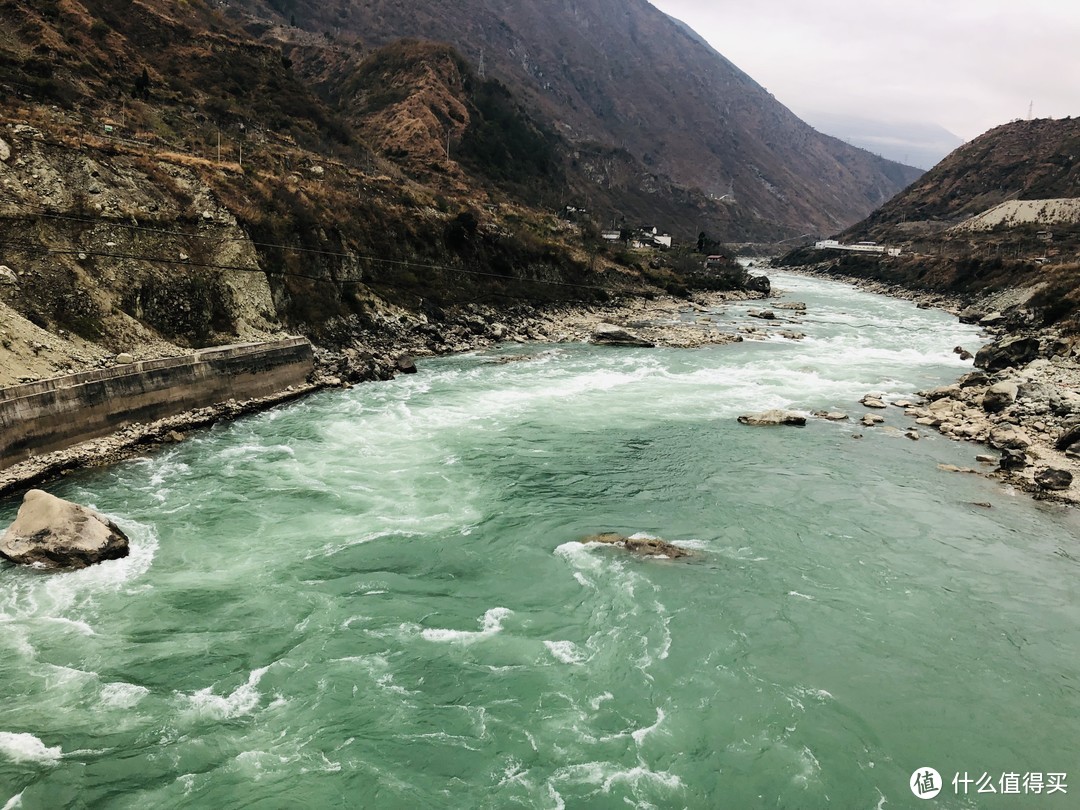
(43, 251)
(45, 214)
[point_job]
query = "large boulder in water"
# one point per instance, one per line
(608, 334)
(50, 532)
(645, 546)
(760, 284)
(773, 417)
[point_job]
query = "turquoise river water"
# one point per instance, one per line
(376, 598)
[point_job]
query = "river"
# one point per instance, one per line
(376, 597)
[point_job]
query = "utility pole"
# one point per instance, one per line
(219, 145)
(1031, 107)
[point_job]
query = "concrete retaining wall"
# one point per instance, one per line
(53, 414)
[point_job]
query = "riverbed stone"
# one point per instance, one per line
(942, 392)
(1009, 436)
(871, 419)
(833, 416)
(645, 546)
(974, 379)
(873, 400)
(406, 364)
(608, 334)
(759, 284)
(1000, 396)
(1013, 459)
(774, 417)
(50, 532)
(1011, 352)
(1053, 479)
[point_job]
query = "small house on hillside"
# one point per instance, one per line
(649, 236)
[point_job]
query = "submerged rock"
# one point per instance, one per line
(50, 532)
(608, 334)
(773, 417)
(645, 546)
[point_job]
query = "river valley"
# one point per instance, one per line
(376, 597)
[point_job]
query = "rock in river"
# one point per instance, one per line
(773, 417)
(645, 546)
(608, 334)
(50, 532)
(405, 364)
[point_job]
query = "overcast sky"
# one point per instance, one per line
(967, 65)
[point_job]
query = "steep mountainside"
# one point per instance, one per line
(1000, 215)
(1024, 160)
(165, 179)
(620, 74)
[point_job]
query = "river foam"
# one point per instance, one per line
(22, 747)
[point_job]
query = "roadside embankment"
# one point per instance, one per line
(100, 417)
(49, 415)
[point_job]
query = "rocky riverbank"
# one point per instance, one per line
(1022, 399)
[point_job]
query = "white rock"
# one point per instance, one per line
(50, 532)
(774, 417)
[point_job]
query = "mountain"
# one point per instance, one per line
(619, 75)
(1024, 160)
(999, 216)
(915, 144)
(184, 174)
